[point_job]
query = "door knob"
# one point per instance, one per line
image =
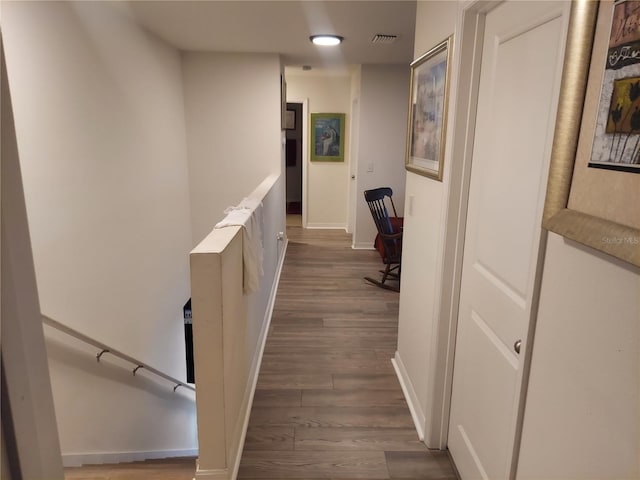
(353, 177)
(516, 346)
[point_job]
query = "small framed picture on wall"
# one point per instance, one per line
(327, 137)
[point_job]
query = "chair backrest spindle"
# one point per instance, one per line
(388, 242)
(378, 200)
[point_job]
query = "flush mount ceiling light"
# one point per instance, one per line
(326, 40)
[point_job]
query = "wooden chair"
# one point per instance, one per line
(388, 241)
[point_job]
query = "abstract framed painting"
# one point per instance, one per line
(593, 192)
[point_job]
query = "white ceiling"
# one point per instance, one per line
(284, 27)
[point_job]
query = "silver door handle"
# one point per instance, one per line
(516, 346)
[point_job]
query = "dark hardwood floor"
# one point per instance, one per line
(328, 404)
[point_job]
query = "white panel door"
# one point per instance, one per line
(519, 83)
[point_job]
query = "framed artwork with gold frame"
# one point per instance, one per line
(327, 137)
(598, 207)
(428, 99)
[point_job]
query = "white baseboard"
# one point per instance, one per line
(221, 474)
(327, 226)
(77, 460)
(363, 246)
(247, 402)
(410, 395)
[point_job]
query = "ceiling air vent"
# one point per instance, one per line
(381, 38)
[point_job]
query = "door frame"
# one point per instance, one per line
(468, 52)
(305, 160)
(470, 26)
(354, 146)
(305, 153)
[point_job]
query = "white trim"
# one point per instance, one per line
(26, 378)
(467, 54)
(354, 146)
(409, 394)
(363, 246)
(327, 226)
(255, 369)
(219, 474)
(305, 161)
(305, 151)
(470, 30)
(79, 459)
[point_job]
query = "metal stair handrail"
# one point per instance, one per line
(107, 349)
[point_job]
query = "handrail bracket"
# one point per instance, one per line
(116, 353)
(100, 354)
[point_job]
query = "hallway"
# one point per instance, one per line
(328, 403)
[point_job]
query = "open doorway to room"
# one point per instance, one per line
(293, 155)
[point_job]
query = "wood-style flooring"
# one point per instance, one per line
(328, 404)
(164, 469)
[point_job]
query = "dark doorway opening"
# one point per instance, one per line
(293, 155)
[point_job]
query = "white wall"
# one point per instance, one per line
(232, 105)
(423, 241)
(583, 406)
(382, 137)
(274, 223)
(327, 182)
(101, 134)
(582, 410)
(29, 422)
